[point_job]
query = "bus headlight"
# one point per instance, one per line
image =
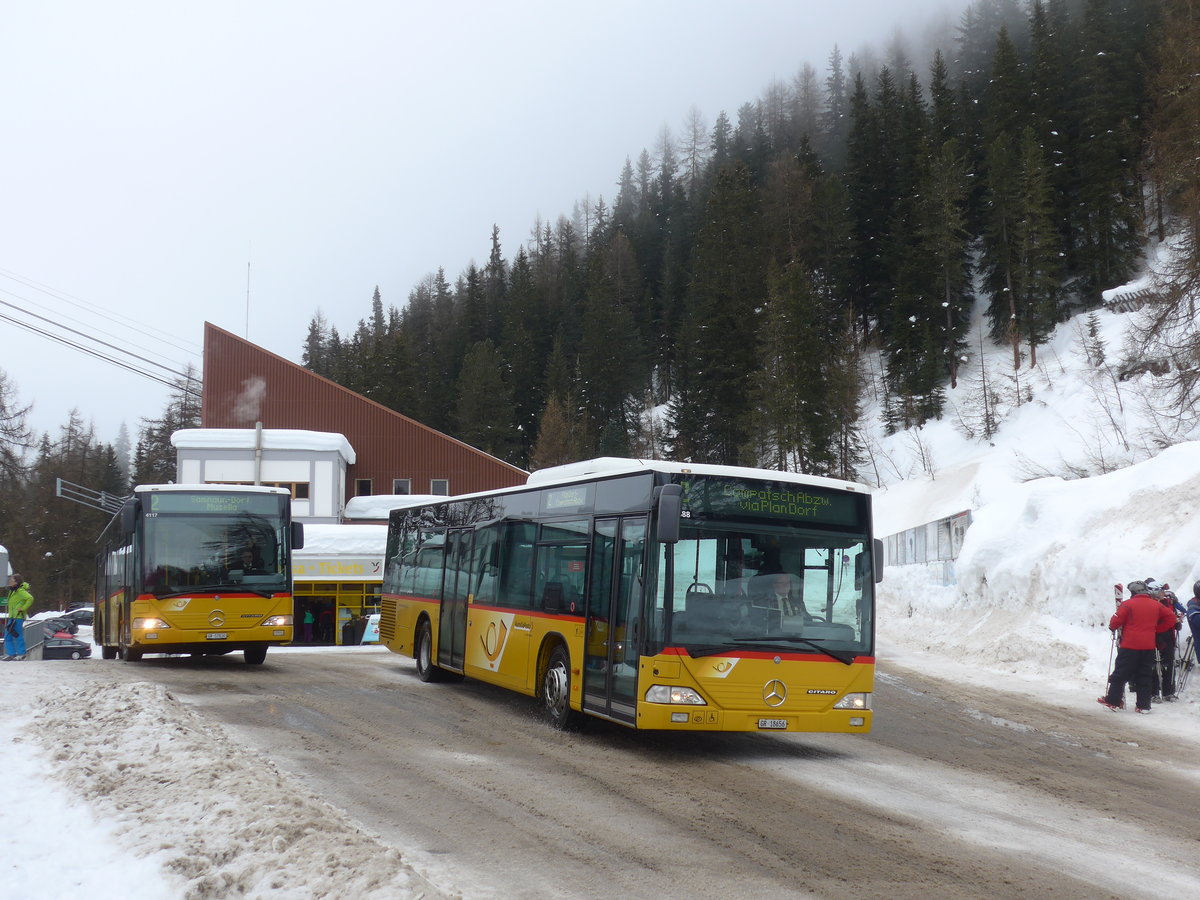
(148, 622)
(854, 701)
(666, 693)
(276, 621)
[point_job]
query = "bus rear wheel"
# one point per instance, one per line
(556, 691)
(427, 670)
(108, 652)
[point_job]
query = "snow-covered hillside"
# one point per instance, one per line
(1036, 572)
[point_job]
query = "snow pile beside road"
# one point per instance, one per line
(1035, 577)
(220, 819)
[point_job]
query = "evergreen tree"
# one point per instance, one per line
(155, 458)
(725, 297)
(945, 243)
(944, 121)
(1006, 99)
(124, 453)
(868, 187)
(15, 435)
(1109, 222)
(63, 531)
(483, 413)
(315, 355)
(525, 345)
(495, 287)
(837, 114)
(999, 245)
(1051, 110)
(799, 408)
(610, 353)
(1037, 272)
(558, 436)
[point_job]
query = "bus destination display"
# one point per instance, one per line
(733, 498)
(213, 503)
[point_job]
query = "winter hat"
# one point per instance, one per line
(1138, 587)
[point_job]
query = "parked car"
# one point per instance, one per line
(81, 615)
(76, 617)
(63, 646)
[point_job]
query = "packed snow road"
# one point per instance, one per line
(958, 792)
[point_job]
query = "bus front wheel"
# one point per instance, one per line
(426, 669)
(556, 690)
(255, 655)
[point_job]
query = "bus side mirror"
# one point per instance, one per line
(128, 518)
(297, 535)
(670, 506)
(877, 546)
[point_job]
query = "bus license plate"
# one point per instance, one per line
(216, 635)
(780, 724)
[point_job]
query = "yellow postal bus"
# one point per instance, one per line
(199, 569)
(654, 594)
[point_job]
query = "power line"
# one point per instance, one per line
(117, 318)
(149, 362)
(185, 386)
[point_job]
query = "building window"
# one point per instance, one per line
(362, 487)
(299, 489)
(401, 485)
(439, 486)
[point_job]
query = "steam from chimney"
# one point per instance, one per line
(247, 408)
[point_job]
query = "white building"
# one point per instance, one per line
(338, 574)
(311, 464)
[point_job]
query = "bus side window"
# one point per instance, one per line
(485, 567)
(516, 565)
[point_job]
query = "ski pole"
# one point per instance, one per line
(1119, 590)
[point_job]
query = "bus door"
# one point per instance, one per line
(456, 583)
(614, 629)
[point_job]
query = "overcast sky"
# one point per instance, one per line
(250, 163)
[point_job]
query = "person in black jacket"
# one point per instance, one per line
(1165, 642)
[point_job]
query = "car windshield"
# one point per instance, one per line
(766, 587)
(204, 552)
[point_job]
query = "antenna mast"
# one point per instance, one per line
(247, 292)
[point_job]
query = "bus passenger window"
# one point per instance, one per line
(516, 565)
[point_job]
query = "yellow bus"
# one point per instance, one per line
(197, 569)
(657, 595)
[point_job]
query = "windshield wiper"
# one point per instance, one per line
(697, 652)
(165, 591)
(843, 657)
(162, 592)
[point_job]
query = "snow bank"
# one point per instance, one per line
(220, 820)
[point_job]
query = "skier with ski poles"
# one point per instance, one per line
(1139, 619)
(1166, 642)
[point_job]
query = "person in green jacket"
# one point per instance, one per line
(19, 601)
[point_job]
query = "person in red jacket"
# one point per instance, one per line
(1139, 619)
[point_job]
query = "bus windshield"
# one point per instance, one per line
(741, 585)
(204, 552)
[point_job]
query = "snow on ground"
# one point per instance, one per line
(1028, 613)
(136, 795)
